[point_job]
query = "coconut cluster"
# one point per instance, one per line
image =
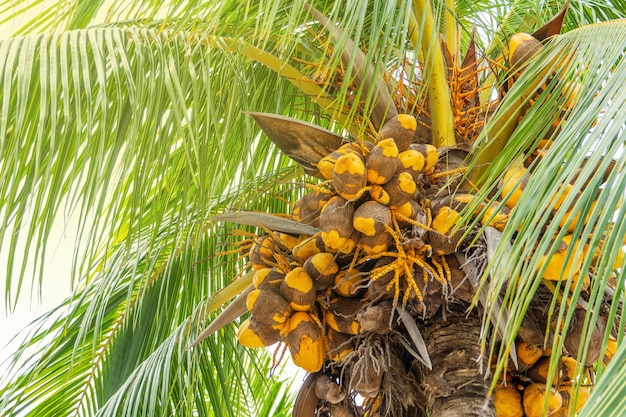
(525, 389)
(386, 241)
(381, 244)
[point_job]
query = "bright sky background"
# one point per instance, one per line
(54, 289)
(56, 282)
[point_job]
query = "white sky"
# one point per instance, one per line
(56, 282)
(55, 286)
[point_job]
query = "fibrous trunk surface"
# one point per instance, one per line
(455, 386)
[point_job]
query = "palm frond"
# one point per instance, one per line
(609, 391)
(586, 155)
(103, 121)
(121, 345)
(101, 127)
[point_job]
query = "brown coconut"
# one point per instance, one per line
(349, 175)
(376, 318)
(322, 268)
(336, 222)
(382, 162)
(305, 342)
(401, 128)
(431, 156)
(307, 209)
(370, 218)
(268, 307)
(327, 389)
(341, 315)
(401, 188)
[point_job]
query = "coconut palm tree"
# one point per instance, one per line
(131, 114)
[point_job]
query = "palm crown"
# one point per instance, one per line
(138, 122)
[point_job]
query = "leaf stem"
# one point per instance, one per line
(497, 135)
(449, 28)
(442, 120)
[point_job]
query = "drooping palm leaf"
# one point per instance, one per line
(122, 344)
(98, 78)
(608, 399)
(122, 300)
(586, 152)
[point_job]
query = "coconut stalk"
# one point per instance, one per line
(442, 120)
(449, 31)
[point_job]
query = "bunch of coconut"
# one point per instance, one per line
(331, 296)
(532, 389)
(384, 242)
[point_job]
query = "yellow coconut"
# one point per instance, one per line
(327, 163)
(573, 398)
(581, 398)
(379, 194)
(555, 266)
(400, 189)
(305, 342)
(262, 252)
(539, 372)
(570, 364)
(508, 401)
(513, 185)
(382, 162)
(254, 334)
(445, 219)
(535, 396)
(307, 248)
(340, 345)
(322, 268)
(430, 153)
(347, 283)
(494, 218)
(413, 162)
(267, 277)
(285, 241)
(268, 307)
(522, 47)
(571, 93)
(411, 210)
(528, 354)
(298, 289)
(259, 276)
(378, 243)
(610, 350)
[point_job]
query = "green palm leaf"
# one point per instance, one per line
(147, 274)
(121, 345)
(588, 154)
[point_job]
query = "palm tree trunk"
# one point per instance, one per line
(455, 386)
